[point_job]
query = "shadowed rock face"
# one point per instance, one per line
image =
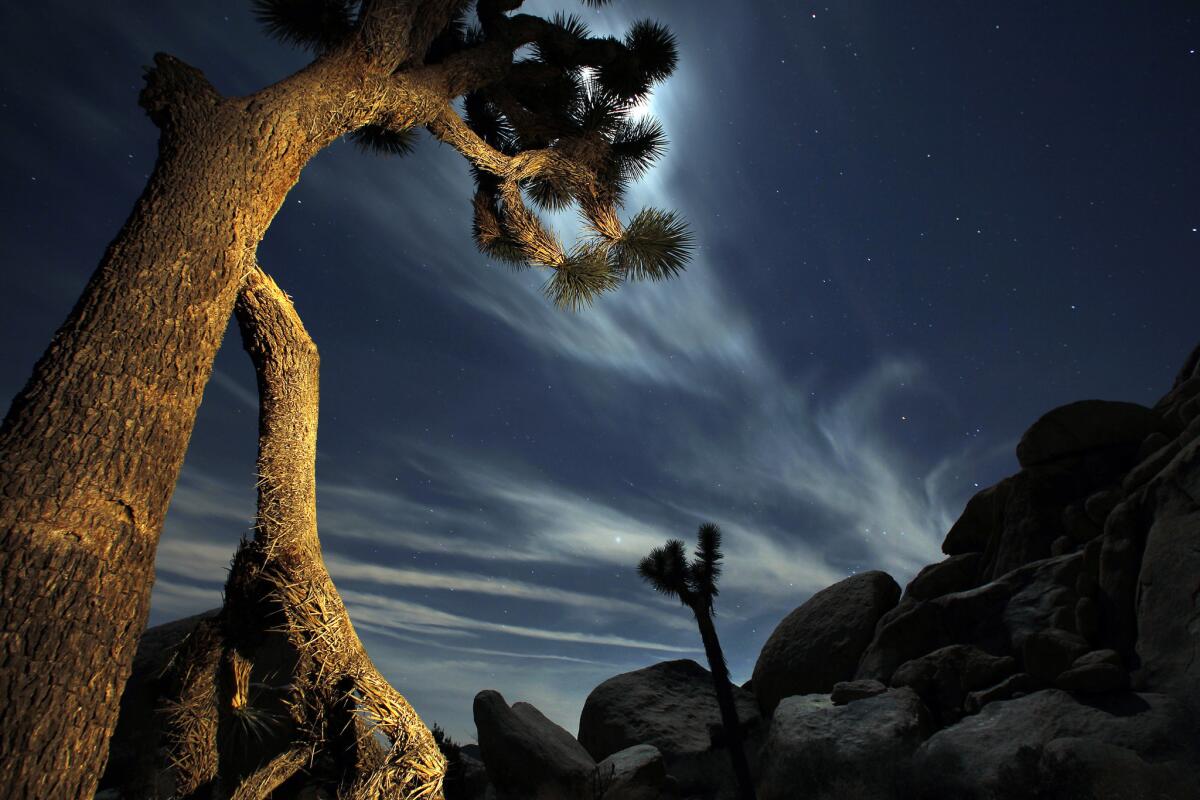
(819, 644)
(1088, 426)
(1034, 745)
(672, 706)
(527, 756)
(131, 762)
(871, 739)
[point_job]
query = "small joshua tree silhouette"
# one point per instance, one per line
(695, 584)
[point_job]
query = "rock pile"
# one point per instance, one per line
(1055, 652)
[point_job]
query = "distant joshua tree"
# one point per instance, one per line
(92, 446)
(695, 584)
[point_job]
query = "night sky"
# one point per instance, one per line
(920, 226)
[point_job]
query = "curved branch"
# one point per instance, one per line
(285, 555)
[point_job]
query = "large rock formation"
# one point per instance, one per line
(672, 706)
(635, 773)
(1050, 745)
(819, 644)
(1055, 654)
(864, 747)
(527, 756)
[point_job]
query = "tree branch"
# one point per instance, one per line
(284, 563)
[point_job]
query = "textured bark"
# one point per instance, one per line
(729, 718)
(280, 598)
(335, 677)
(92, 446)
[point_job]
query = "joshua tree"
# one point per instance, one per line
(695, 584)
(284, 624)
(92, 446)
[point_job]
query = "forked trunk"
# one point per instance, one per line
(91, 448)
(280, 598)
(725, 701)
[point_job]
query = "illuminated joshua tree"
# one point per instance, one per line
(92, 446)
(695, 584)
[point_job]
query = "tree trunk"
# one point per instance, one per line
(279, 592)
(91, 448)
(724, 691)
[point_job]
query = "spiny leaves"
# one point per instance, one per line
(486, 120)
(651, 54)
(598, 111)
(548, 193)
(557, 48)
(654, 47)
(637, 145)
(656, 245)
(315, 24)
(706, 566)
(385, 141)
(583, 277)
(668, 571)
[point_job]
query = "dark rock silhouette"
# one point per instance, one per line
(820, 643)
(635, 773)
(527, 756)
(671, 706)
(872, 739)
(1048, 744)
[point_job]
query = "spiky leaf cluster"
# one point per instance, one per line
(651, 55)
(385, 141)
(318, 25)
(572, 99)
(667, 569)
(656, 245)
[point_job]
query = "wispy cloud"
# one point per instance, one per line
(598, 605)
(389, 612)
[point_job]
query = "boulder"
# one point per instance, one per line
(1100, 504)
(635, 773)
(1077, 767)
(1120, 559)
(1049, 653)
(132, 767)
(1087, 620)
(909, 631)
(849, 691)
(954, 574)
(1040, 591)
(980, 522)
(944, 677)
(670, 705)
(1093, 679)
(1079, 525)
(1033, 516)
(870, 740)
(820, 643)
(527, 756)
(1168, 597)
(1013, 748)
(1095, 672)
(470, 776)
(1152, 464)
(1183, 393)
(1013, 686)
(997, 616)
(1087, 425)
